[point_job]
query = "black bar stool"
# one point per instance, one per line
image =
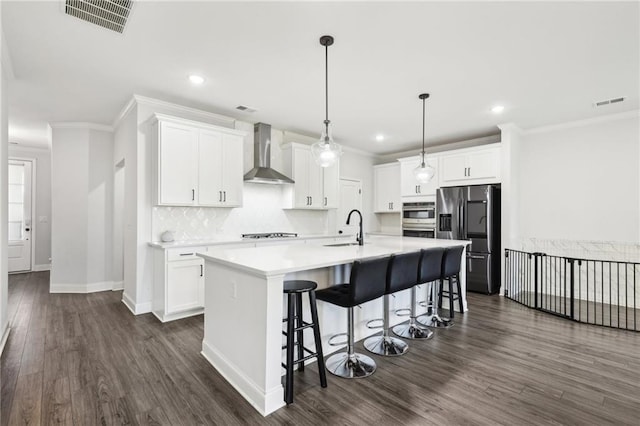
(367, 282)
(401, 275)
(451, 274)
(430, 272)
(295, 333)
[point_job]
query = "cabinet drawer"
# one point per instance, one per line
(185, 253)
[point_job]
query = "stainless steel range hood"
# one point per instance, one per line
(262, 171)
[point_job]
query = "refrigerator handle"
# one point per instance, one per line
(489, 220)
(461, 234)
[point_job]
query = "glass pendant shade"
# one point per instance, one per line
(326, 152)
(424, 172)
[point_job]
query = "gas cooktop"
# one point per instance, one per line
(271, 235)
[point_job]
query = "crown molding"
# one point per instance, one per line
(582, 123)
(510, 127)
(128, 107)
(82, 125)
(143, 100)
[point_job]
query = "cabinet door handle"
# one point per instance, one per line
(220, 196)
(187, 254)
(193, 195)
(469, 172)
(201, 271)
(325, 201)
(310, 201)
(225, 196)
(419, 190)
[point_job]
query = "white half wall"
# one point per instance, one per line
(82, 209)
(580, 181)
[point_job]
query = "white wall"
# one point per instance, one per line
(125, 150)
(41, 157)
(81, 211)
(581, 181)
(4, 166)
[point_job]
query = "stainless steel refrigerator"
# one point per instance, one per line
(473, 213)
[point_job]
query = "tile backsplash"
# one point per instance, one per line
(261, 212)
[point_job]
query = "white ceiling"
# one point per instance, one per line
(546, 62)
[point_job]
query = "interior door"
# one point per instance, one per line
(350, 198)
(19, 213)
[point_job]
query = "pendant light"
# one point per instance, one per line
(424, 172)
(326, 152)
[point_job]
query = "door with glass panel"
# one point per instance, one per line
(19, 215)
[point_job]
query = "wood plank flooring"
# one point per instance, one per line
(86, 360)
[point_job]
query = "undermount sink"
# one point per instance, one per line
(341, 244)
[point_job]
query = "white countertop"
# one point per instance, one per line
(222, 240)
(283, 259)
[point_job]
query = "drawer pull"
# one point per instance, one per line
(187, 254)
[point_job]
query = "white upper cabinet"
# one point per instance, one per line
(197, 164)
(178, 178)
(471, 166)
(220, 169)
(386, 183)
(315, 187)
(410, 187)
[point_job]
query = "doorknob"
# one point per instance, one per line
(27, 229)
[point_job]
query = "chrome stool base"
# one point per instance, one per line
(386, 346)
(412, 331)
(354, 367)
(435, 321)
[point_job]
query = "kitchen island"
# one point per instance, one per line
(243, 308)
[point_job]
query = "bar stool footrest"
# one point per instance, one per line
(373, 327)
(332, 342)
(403, 312)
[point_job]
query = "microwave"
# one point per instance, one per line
(419, 213)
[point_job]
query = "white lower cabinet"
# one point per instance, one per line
(178, 283)
(185, 285)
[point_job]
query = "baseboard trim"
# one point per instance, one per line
(118, 285)
(135, 308)
(265, 402)
(80, 288)
(5, 337)
(41, 268)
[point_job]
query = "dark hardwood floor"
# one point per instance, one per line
(86, 360)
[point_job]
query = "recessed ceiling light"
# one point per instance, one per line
(196, 79)
(379, 138)
(497, 109)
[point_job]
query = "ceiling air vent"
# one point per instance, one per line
(609, 101)
(245, 108)
(109, 14)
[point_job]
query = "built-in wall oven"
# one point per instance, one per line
(419, 219)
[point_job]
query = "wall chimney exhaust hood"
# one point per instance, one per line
(262, 171)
